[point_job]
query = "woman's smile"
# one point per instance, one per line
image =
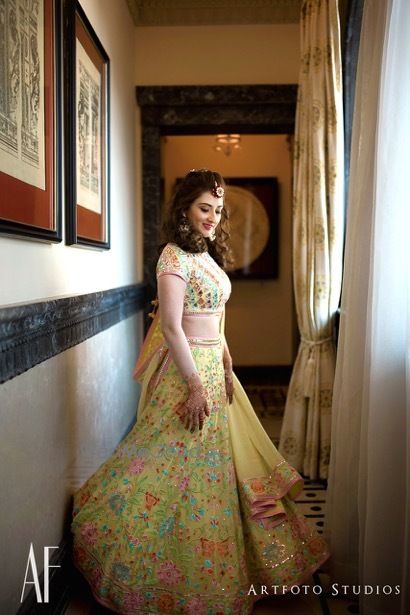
(205, 213)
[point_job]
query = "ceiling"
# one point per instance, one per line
(213, 12)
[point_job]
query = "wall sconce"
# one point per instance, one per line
(227, 143)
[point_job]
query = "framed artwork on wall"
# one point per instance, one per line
(87, 112)
(30, 119)
(253, 208)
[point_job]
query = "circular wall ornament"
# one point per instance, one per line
(249, 226)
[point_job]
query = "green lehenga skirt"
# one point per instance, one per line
(182, 523)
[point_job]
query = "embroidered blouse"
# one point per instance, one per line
(207, 285)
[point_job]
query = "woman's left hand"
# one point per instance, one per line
(228, 378)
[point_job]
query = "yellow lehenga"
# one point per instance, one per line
(179, 522)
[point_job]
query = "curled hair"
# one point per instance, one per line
(185, 193)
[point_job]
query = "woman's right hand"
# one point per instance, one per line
(196, 406)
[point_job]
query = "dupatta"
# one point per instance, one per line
(264, 476)
(153, 341)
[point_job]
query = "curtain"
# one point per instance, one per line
(318, 220)
(368, 512)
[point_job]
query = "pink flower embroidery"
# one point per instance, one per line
(133, 601)
(134, 540)
(299, 561)
(196, 606)
(257, 486)
(169, 574)
(89, 533)
(136, 466)
(299, 526)
(237, 605)
(96, 576)
(316, 546)
(183, 484)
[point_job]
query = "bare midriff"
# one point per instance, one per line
(202, 324)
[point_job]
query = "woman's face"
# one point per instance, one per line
(204, 213)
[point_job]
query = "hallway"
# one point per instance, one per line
(109, 109)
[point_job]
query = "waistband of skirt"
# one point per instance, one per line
(204, 342)
(203, 313)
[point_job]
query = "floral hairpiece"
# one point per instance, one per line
(218, 191)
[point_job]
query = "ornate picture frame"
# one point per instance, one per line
(30, 121)
(253, 207)
(87, 154)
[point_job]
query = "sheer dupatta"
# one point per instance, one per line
(264, 476)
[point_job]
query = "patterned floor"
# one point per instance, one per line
(269, 403)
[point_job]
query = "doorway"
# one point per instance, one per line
(169, 113)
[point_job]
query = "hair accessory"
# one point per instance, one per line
(218, 191)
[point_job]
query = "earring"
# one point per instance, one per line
(183, 225)
(212, 235)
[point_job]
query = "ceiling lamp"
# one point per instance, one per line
(227, 143)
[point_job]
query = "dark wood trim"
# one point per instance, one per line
(85, 227)
(199, 110)
(32, 333)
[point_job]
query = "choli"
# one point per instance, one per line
(207, 285)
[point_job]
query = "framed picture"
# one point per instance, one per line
(87, 88)
(254, 222)
(30, 119)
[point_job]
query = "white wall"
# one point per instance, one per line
(62, 418)
(204, 55)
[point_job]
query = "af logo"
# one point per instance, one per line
(31, 563)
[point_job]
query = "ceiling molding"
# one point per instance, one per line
(213, 12)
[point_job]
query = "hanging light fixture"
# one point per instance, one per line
(227, 143)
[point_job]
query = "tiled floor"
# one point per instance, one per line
(268, 402)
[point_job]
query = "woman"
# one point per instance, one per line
(193, 512)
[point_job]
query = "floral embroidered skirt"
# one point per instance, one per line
(182, 523)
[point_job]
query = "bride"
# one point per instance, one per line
(194, 509)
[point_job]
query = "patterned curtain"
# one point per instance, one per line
(318, 220)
